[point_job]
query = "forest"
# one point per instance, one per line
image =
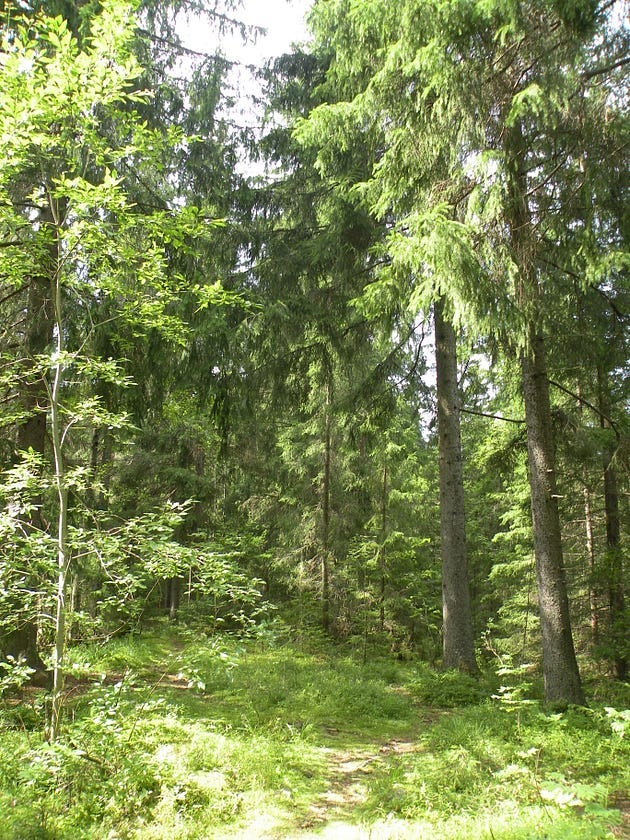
(314, 422)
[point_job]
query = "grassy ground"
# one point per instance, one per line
(180, 737)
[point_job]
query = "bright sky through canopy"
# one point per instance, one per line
(285, 25)
(284, 21)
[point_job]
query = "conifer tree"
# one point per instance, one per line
(482, 112)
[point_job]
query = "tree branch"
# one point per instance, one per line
(491, 416)
(607, 68)
(179, 47)
(11, 294)
(593, 408)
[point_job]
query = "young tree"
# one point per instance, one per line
(87, 241)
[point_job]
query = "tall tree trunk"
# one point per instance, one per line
(381, 553)
(560, 669)
(616, 595)
(589, 530)
(61, 486)
(458, 639)
(590, 550)
(325, 541)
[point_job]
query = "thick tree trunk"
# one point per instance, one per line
(616, 595)
(560, 669)
(458, 639)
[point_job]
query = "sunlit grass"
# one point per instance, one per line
(173, 738)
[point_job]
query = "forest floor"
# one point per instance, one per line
(172, 735)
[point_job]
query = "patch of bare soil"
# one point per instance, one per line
(349, 772)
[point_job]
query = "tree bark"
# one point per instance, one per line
(61, 486)
(616, 595)
(325, 542)
(590, 550)
(458, 638)
(589, 531)
(560, 669)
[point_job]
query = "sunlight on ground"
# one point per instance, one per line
(263, 826)
(386, 830)
(343, 831)
(284, 745)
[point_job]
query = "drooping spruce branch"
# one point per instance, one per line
(491, 416)
(582, 401)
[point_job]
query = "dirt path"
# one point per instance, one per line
(333, 814)
(348, 788)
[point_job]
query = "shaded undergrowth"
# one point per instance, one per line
(183, 736)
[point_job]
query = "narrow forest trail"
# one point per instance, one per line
(299, 745)
(334, 814)
(170, 737)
